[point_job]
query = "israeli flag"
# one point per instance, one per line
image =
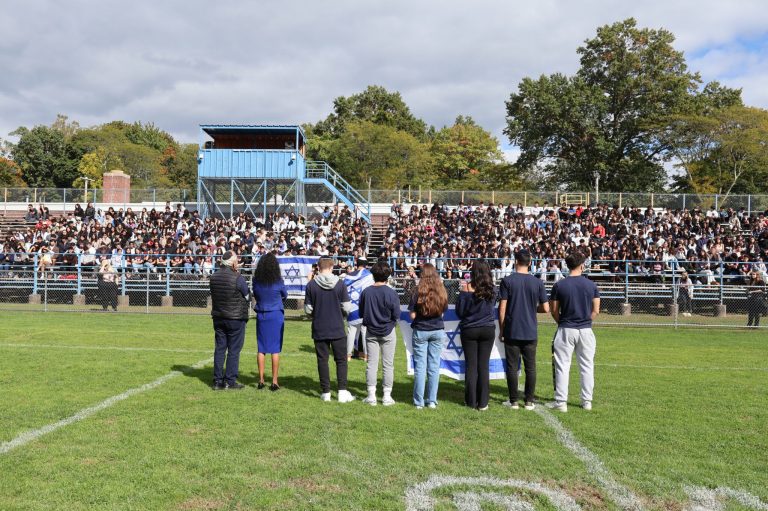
(452, 357)
(355, 283)
(295, 271)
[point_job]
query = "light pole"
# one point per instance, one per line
(86, 180)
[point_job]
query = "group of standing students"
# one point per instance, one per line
(574, 302)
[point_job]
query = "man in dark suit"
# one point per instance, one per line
(230, 306)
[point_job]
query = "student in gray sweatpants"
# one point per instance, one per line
(574, 303)
(380, 309)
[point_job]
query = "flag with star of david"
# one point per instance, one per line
(295, 271)
(452, 357)
(355, 283)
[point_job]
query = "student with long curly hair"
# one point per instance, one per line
(269, 292)
(426, 309)
(475, 309)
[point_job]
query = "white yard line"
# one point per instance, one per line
(617, 492)
(29, 436)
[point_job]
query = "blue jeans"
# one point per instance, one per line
(427, 346)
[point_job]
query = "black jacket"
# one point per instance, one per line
(227, 295)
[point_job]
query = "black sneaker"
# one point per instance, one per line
(260, 385)
(274, 387)
(218, 385)
(234, 386)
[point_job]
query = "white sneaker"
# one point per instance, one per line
(418, 407)
(530, 405)
(345, 396)
(587, 405)
(370, 400)
(388, 401)
(432, 406)
(509, 404)
(325, 396)
(560, 407)
(483, 409)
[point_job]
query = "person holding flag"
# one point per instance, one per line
(356, 281)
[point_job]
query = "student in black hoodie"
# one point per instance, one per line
(327, 301)
(475, 309)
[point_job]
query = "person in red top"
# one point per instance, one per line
(599, 231)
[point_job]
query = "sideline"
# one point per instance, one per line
(28, 436)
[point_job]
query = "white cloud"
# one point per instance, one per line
(181, 63)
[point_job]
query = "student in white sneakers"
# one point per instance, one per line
(380, 308)
(327, 301)
(574, 302)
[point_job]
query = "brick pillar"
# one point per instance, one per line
(117, 187)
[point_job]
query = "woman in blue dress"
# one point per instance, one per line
(269, 292)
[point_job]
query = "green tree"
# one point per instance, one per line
(465, 153)
(41, 154)
(724, 151)
(606, 122)
(182, 167)
(389, 157)
(375, 104)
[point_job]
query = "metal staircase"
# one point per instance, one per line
(319, 172)
(377, 235)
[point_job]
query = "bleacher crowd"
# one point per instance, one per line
(174, 237)
(648, 243)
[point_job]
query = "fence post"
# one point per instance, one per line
(683, 201)
(65, 201)
(79, 274)
(749, 205)
(5, 201)
(462, 196)
(34, 275)
(146, 304)
(430, 196)
(154, 197)
(45, 295)
(525, 199)
(716, 200)
(620, 200)
(651, 201)
(493, 196)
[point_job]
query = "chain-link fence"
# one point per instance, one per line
(724, 297)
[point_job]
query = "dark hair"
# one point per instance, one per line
(381, 271)
(575, 259)
(523, 258)
(268, 269)
(482, 281)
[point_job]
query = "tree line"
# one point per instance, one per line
(633, 118)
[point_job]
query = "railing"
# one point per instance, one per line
(633, 294)
(321, 170)
(415, 195)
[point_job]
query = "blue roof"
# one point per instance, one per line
(213, 129)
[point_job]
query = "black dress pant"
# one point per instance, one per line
(339, 347)
(477, 344)
(512, 350)
(229, 335)
(108, 294)
(754, 310)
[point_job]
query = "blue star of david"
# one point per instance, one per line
(452, 341)
(354, 296)
(292, 273)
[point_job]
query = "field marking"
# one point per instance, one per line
(28, 436)
(706, 499)
(123, 348)
(419, 496)
(619, 493)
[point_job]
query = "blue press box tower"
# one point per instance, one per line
(262, 168)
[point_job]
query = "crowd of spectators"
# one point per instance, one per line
(712, 245)
(154, 240)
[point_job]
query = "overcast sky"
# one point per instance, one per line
(183, 63)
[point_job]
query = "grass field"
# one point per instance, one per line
(674, 409)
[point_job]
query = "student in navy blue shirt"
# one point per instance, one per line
(327, 301)
(521, 296)
(575, 302)
(269, 292)
(380, 309)
(428, 303)
(475, 309)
